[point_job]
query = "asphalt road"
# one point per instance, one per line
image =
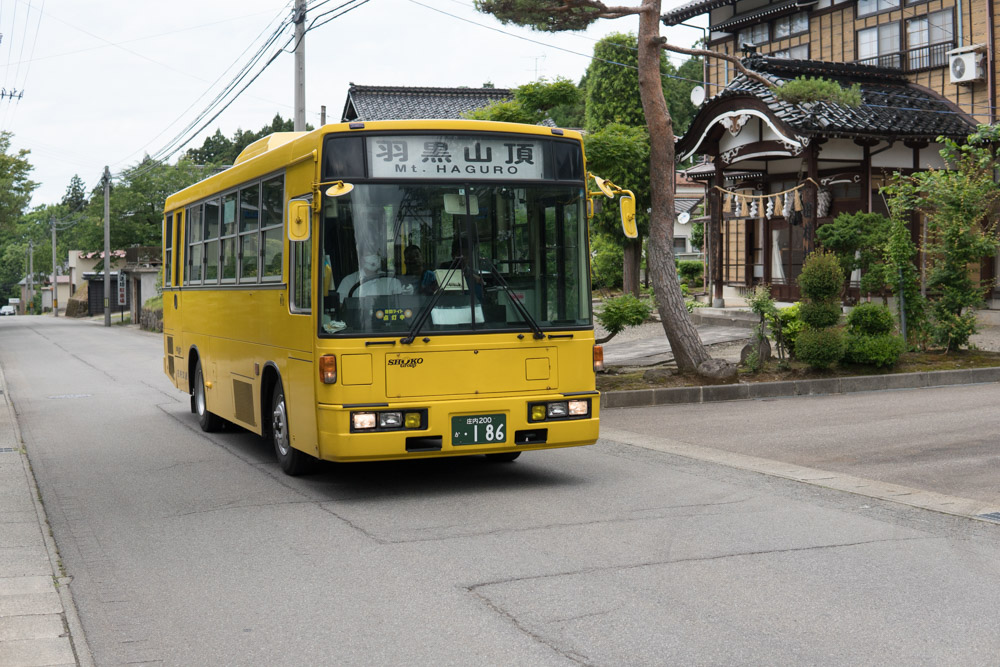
(190, 549)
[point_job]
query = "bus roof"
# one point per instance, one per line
(280, 149)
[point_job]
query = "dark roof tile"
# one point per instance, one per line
(407, 103)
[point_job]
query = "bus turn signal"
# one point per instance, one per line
(328, 369)
(598, 359)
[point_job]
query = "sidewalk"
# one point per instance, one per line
(38, 622)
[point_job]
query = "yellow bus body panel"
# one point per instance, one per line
(242, 334)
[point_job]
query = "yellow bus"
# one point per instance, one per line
(388, 290)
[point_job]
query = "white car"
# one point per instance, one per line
(7, 310)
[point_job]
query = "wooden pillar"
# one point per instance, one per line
(717, 235)
(809, 193)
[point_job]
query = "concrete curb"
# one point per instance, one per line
(757, 390)
(39, 623)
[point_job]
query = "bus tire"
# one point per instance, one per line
(504, 457)
(208, 422)
(292, 461)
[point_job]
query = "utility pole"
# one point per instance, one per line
(31, 271)
(107, 247)
(55, 281)
(322, 115)
(299, 19)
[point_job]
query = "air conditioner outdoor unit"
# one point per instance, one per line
(966, 67)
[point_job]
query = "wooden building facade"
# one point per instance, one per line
(926, 69)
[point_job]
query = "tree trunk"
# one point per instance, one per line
(632, 266)
(685, 342)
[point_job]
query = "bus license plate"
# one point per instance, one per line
(479, 430)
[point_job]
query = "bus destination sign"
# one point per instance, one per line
(455, 157)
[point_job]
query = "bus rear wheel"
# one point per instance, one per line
(206, 419)
(292, 461)
(504, 457)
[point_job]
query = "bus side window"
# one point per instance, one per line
(301, 268)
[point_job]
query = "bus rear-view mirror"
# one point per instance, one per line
(299, 214)
(628, 215)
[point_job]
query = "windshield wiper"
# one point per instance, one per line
(518, 306)
(425, 310)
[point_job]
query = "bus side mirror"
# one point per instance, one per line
(299, 214)
(628, 215)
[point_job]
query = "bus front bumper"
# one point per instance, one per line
(455, 428)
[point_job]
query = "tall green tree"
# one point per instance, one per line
(16, 185)
(533, 103)
(559, 15)
(620, 153)
(960, 205)
(613, 98)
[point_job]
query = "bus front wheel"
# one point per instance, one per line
(206, 419)
(292, 461)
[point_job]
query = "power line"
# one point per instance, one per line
(186, 135)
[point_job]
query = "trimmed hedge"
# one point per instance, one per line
(872, 319)
(820, 348)
(881, 350)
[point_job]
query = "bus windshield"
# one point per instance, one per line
(454, 258)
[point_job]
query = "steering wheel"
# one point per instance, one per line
(364, 280)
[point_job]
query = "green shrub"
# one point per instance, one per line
(952, 330)
(785, 326)
(821, 279)
(879, 350)
(691, 271)
(820, 348)
(871, 319)
(623, 311)
(818, 315)
(608, 260)
(804, 89)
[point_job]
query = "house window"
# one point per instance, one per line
(800, 52)
(756, 35)
(929, 38)
(866, 7)
(793, 24)
(680, 245)
(880, 46)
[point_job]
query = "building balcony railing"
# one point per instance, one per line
(915, 60)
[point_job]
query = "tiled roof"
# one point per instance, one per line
(691, 9)
(403, 103)
(891, 107)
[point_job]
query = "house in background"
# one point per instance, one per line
(80, 262)
(142, 271)
(407, 103)
(63, 289)
(688, 195)
(925, 69)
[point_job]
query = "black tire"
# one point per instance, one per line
(208, 422)
(505, 457)
(292, 461)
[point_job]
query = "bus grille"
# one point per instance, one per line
(243, 396)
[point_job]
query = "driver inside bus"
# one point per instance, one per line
(368, 281)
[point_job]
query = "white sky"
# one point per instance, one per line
(106, 81)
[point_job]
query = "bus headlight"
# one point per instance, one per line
(559, 410)
(390, 419)
(363, 421)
